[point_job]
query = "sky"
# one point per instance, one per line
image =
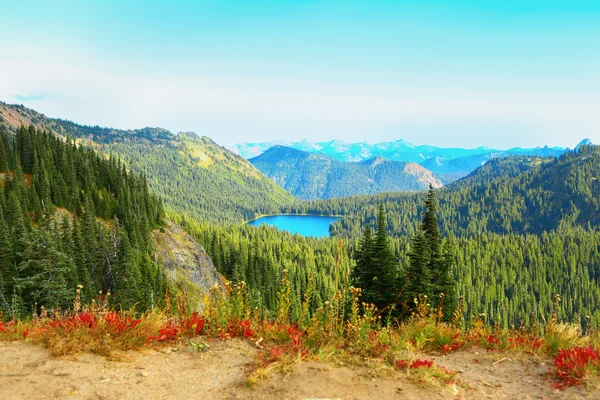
(450, 73)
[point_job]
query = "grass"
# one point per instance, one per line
(359, 336)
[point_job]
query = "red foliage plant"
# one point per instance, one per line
(194, 324)
(572, 364)
(120, 324)
(76, 321)
(420, 363)
(294, 332)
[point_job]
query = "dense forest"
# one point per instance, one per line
(507, 279)
(512, 246)
(513, 195)
(69, 217)
(262, 257)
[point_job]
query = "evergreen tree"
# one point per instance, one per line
(431, 231)
(4, 160)
(7, 268)
(446, 284)
(430, 270)
(364, 259)
(381, 279)
(44, 272)
(8, 153)
(418, 274)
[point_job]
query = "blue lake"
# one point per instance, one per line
(305, 225)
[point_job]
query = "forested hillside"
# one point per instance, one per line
(508, 195)
(192, 174)
(522, 230)
(509, 278)
(311, 176)
(69, 217)
(262, 257)
(197, 177)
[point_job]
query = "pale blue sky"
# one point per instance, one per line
(447, 73)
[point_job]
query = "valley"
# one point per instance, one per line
(299, 200)
(156, 222)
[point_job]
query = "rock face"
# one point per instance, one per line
(187, 264)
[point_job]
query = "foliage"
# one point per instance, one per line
(357, 335)
(69, 217)
(430, 271)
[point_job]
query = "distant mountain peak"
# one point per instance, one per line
(189, 135)
(585, 142)
(375, 161)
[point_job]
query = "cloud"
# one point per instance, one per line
(35, 96)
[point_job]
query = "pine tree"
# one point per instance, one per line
(8, 153)
(7, 267)
(431, 230)
(3, 154)
(363, 258)
(380, 280)
(430, 270)
(80, 255)
(43, 273)
(418, 274)
(126, 274)
(446, 284)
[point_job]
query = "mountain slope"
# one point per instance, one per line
(314, 176)
(191, 173)
(506, 195)
(69, 217)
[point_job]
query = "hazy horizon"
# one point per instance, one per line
(494, 74)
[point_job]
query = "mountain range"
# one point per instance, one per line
(196, 176)
(310, 176)
(450, 164)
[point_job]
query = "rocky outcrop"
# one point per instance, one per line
(187, 264)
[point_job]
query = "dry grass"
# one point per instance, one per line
(356, 337)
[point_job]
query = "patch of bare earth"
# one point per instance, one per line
(28, 371)
(491, 375)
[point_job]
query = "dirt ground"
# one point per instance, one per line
(28, 371)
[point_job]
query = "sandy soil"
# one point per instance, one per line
(28, 371)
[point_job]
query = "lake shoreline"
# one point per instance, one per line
(292, 215)
(307, 225)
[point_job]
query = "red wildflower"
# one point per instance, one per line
(294, 334)
(419, 363)
(167, 333)
(86, 319)
(491, 339)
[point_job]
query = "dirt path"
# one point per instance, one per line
(29, 372)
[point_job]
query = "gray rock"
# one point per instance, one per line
(187, 264)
